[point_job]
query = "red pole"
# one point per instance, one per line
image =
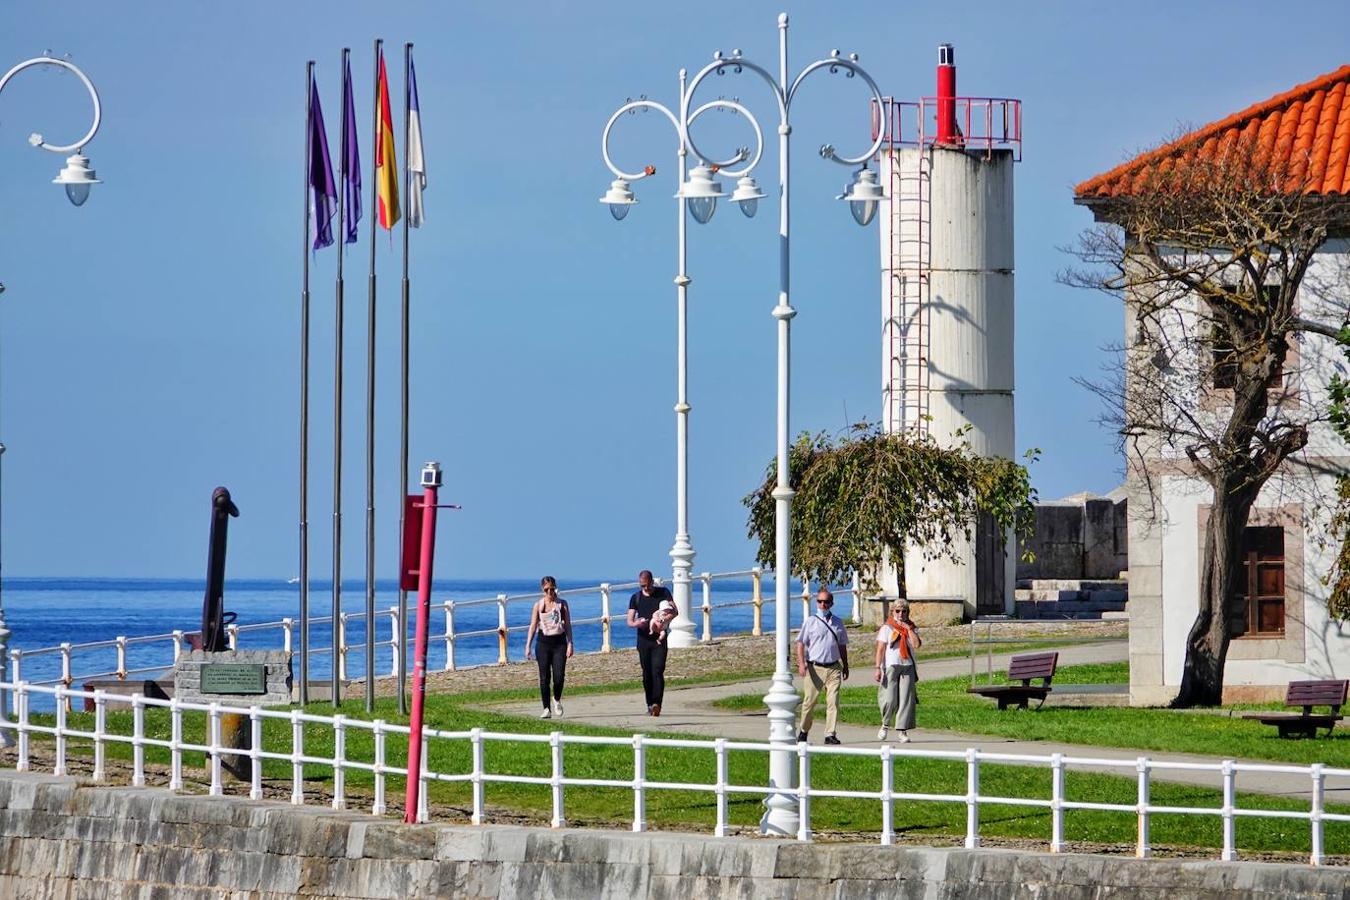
(431, 477)
(946, 95)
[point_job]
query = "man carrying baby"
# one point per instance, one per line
(642, 606)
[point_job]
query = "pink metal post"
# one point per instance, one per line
(431, 478)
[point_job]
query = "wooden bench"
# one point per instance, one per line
(1307, 694)
(1023, 668)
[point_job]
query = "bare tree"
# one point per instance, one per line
(1209, 255)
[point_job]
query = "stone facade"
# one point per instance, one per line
(187, 676)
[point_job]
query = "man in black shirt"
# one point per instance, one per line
(644, 603)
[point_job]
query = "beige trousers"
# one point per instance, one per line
(829, 678)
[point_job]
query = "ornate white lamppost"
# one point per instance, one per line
(698, 193)
(864, 195)
(77, 178)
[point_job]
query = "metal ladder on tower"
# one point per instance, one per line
(908, 290)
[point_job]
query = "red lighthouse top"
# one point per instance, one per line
(946, 120)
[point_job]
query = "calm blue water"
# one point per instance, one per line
(44, 612)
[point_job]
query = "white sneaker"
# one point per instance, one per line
(903, 737)
(557, 708)
(882, 733)
(546, 714)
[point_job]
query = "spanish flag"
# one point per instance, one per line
(386, 172)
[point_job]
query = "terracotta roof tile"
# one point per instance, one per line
(1306, 130)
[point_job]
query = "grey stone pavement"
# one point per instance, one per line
(690, 711)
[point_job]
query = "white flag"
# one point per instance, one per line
(417, 166)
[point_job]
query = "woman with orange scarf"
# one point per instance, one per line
(896, 674)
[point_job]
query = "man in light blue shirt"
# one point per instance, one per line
(822, 662)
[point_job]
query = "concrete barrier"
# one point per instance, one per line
(62, 839)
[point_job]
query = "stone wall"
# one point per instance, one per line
(61, 839)
(1077, 538)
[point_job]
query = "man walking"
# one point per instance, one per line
(822, 661)
(644, 603)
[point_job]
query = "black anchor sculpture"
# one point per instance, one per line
(214, 617)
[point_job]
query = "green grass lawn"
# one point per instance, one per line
(945, 706)
(677, 809)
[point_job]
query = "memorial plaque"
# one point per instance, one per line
(233, 678)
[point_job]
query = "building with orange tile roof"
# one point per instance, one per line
(1301, 137)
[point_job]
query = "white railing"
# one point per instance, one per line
(556, 779)
(512, 617)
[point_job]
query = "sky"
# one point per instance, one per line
(149, 341)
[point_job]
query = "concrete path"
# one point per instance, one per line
(690, 711)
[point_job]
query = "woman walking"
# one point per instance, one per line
(896, 674)
(553, 621)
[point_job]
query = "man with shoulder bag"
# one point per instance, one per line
(822, 662)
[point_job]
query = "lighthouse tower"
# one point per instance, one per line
(947, 306)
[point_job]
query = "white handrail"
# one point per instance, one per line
(557, 780)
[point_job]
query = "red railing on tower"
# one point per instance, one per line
(980, 123)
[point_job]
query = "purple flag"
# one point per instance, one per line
(320, 173)
(352, 154)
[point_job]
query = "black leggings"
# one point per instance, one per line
(652, 656)
(551, 651)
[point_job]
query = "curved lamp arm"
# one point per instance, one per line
(36, 139)
(850, 67)
(739, 156)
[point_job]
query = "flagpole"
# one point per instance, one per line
(403, 368)
(337, 417)
(370, 433)
(304, 404)
(370, 414)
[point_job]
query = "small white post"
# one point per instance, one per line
(555, 743)
(804, 791)
(720, 745)
(887, 798)
(378, 807)
(177, 645)
(1229, 802)
(100, 727)
(16, 665)
(1315, 814)
(449, 635)
(66, 678)
(287, 635)
(137, 739)
(342, 646)
(423, 804)
(339, 762)
(297, 766)
(476, 776)
(806, 598)
(121, 657)
(757, 598)
(175, 745)
(857, 599)
(605, 646)
(1057, 803)
(395, 642)
(255, 752)
(213, 715)
(707, 607)
(502, 655)
(21, 706)
(60, 767)
(232, 635)
(639, 779)
(972, 798)
(1142, 848)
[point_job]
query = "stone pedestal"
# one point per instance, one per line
(234, 678)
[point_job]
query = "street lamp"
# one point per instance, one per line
(77, 178)
(699, 192)
(781, 816)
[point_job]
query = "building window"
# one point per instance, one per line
(1260, 610)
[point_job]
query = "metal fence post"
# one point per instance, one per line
(502, 655)
(887, 800)
(121, 657)
(297, 752)
(288, 636)
(757, 598)
(340, 653)
(555, 742)
(605, 645)
(377, 808)
(449, 635)
(21, 706)
(395, 642)
(720, 746)
(59, 768)
(100, 727)
(175, 745)
(1057, 803)
(232, 635)
(639, 778)
(255, 752)
(857, 599)
(214, 739)
(137, 739)
(339, 758)
(1229, 801)
(707, 607)
(1142, 848)
(476, 740)
(804, 791)
(972, 798)
(1315, 813)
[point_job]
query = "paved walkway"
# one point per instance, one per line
(690, 710)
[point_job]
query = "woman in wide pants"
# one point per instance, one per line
(896, 674)
(552, 620)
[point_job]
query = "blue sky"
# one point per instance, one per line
(148, 341)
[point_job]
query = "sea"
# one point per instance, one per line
(46, 612)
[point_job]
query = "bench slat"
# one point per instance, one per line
(1032, 665)
(1316, 693)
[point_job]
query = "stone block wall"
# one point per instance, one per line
(60, 839)
(1077, 539)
